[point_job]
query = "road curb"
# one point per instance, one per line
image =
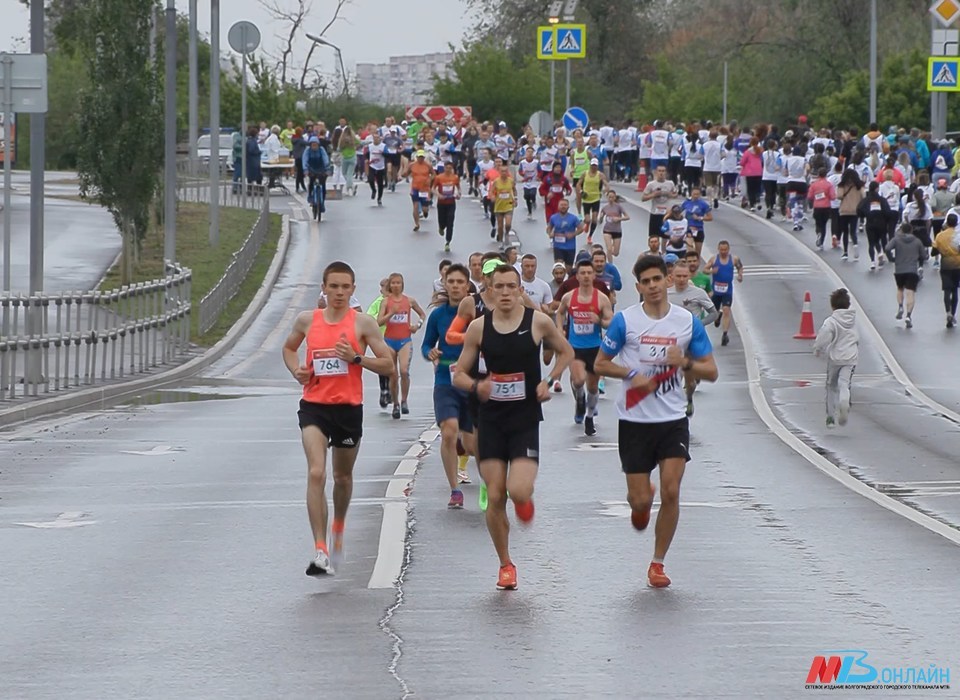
(101, 397)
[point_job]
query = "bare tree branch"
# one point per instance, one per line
(294, 19)
(333, 19)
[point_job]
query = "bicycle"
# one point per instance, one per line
(316, 199)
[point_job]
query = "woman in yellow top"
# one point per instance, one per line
(948, 243)
(589, 189)
(503, 192)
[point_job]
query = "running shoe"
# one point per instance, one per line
(320, 566)
(581, 409)
(899, 313)
(908, 322)
(463, 477)
(589, 429)
(336, 550)
(396, 412)
(844, 257)
(873, 266)
(416, 227)
(379, 203)
(601, 386)
(493, 233)
(641, 519)
(446, 248)
(372, 194)
(716, 321)
(426, 213)
(951, 321)
(482, 498)
(456, 499)
(831, 422)
(655, 576)
(404, 409)
(507, 580)
(725, 339)
(384, 399)
(524, 511)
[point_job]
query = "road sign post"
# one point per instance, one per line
(942, 72)
(244, 38)
(575, 118)
(561, 42)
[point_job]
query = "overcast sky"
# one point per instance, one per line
(371, 31)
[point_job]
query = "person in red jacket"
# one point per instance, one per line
(821, 194)
(553, 188)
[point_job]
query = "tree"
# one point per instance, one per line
(485, 78)
(120, 121)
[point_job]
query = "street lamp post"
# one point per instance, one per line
(343, 72)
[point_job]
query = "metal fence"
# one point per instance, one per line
(230, 194)
(54, 342)
(215, 301)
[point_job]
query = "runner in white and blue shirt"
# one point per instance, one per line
(655, 340)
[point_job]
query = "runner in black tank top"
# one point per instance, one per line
(508, 430)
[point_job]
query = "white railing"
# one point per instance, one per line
(55, 342)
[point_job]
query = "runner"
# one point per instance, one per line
(612, 215)
(447, 188)
(449, 403)
(698, 278)
(908, 253)
(395, 315)
(331, 410)
(579, 164)
(528, 171)
(654, 340)
(589, 190)
(374, 310)
(839, 341)
(674, 232)
(696, 210)
(374, 168)
(504, 197)
(509, 433)
(421, 173)
(948, 245)
(590, 311)
(721, 268)
(697, 302)
(563, 229)
(660, 191)
(554, 188)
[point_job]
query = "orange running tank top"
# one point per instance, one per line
(334, 381)
(398, 322)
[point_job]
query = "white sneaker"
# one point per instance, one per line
(320, 566)
(463, 477)
(873, 266)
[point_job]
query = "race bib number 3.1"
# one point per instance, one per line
(653, 349)
(508, 387)
(327, 364)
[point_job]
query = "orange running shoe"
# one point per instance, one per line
(507, 581)
(524, 511)
(656, 577)
(640, 519)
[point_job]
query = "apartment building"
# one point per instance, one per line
(403, 80)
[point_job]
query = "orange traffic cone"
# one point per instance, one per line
(642, 179)
(807, 331)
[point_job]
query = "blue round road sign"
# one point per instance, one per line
(575, 118)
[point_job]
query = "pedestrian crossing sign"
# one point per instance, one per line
(570, 40)
(545, 38)
(943, 73)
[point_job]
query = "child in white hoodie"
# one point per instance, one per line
(838, 339)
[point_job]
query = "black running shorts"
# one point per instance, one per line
(495, 441)
(644, 445)
(342, 424)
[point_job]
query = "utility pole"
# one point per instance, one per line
(192, 97)
(873, 61)
(214, 236)
(170, 138)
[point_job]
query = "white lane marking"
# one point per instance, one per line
(393, 527)
(64, 520)
(153, 452)
(864, 321)
(766, 414)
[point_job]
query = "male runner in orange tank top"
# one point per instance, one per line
(331, 410)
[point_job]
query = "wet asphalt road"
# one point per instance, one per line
(157, 549)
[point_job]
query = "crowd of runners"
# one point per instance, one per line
(492, 324)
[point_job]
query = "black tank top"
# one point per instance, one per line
(513, 362)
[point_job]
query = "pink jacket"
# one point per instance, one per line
(751, 165)
(821, 193)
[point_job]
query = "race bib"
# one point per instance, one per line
(559, 238)
(327, 364)
(654, 348)
(447, 190)
(508, 387)
(399, 318)
(583, 328)
(660, 209)
(505, 195)
(819, 196)
(556, 188)
(876, 206)
(721, 287)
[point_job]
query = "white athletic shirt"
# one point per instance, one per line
(547, 158)
(796, 168)
(624, 140)
(641, 343)
(527, 170)
(771, 165)
(659, 142)
(375, 156)
(711, 156)
(538, 291)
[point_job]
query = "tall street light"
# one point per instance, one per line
(324, 42)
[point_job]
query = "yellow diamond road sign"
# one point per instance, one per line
(947, 11)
